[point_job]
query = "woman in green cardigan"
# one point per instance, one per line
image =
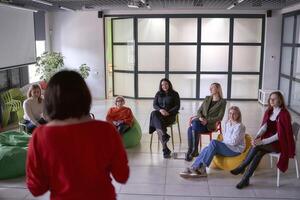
(211, 111)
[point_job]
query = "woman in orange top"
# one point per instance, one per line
(120, 115)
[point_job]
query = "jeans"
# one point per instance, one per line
(193, 137)
(122, 128)
(30, 126)
(215, 147)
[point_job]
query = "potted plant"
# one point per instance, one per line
(84, 70)
(48, 64)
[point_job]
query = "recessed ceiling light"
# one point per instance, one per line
(43, 2)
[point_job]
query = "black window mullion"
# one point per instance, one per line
(262, 53)
(229, 81)
(198, 70)
(292, 62)
(167, 46)
(112, 57)
(135, 37)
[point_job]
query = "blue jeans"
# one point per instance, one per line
(30, 126)
(207, 154)
(194, 130)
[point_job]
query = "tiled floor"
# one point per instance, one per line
(155, 178)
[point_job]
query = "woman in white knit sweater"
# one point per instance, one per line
(33, 108)
(232, 145)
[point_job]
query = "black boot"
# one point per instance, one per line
(167, 153)
(240, 169)
(252, 167)
(188, 156)
(243, 183)
(195, 144)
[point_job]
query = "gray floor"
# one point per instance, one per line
(155, 178)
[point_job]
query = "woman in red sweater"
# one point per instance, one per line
(120, 115)
(73, 156)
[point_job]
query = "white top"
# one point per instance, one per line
(33, 110)
(234, 136)
(264, 127)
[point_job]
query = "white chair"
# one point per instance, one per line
(296, 128)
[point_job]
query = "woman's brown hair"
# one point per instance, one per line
(280, 98)
(34, 87)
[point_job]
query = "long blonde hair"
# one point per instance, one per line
(237, 109)
(34, 87)
(219, 88)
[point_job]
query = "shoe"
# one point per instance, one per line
(195, 154)
(243, 183)
(167, 153)
(188, 157)
(192, 173)
(186, 173)
(237, 171)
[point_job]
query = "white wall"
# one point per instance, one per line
(79, 37)
(272, 51)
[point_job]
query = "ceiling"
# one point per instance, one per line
(157, 4)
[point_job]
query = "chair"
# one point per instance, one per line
(296, 128)
(230, 163)
(218, 129)
(10, 106)
(171, 127)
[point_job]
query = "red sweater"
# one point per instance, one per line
(76, 161)
(123, 113)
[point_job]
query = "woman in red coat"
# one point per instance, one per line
(73, 156)
(120, 115)
(275, 135)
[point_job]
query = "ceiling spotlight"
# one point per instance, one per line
(240, 1)
(231, 6)
(65, 8)
(43, 2)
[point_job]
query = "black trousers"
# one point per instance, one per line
(158, 121)
(254, 157)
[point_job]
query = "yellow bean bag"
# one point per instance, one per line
(230, 163)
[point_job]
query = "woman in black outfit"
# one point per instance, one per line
(166, 104)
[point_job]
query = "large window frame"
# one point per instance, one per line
(290, 77)
(198, 44)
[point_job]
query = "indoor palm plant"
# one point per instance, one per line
(48, 64)
(84, 70)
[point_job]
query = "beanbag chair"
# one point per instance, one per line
(133, 136)
(14, 138)
(13, 152)
(230, 163)
(12, 162)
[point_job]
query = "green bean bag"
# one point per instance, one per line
(133, 136)
(13, 152)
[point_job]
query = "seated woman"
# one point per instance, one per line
(74, 156)
(232, 145)
(211, 111)
(166, 104)
(120, 116)
(33, 108)
(275, 135)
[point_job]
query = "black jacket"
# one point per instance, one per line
(169, 101)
